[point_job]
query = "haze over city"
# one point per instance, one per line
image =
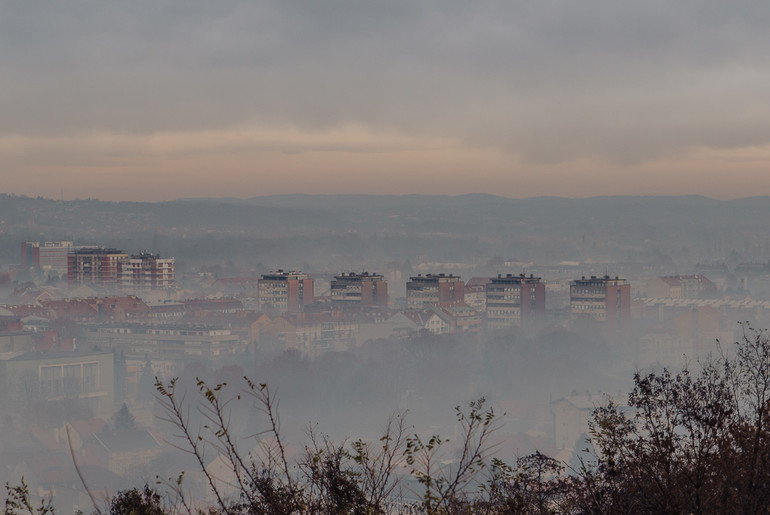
(519, 99)
(397, 257)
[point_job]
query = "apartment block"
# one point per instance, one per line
(425, 290)
(604, 299)
(95, 265)
(285, 292)
(359, 290)
(146, 271)
(46, 256)
(514, 300)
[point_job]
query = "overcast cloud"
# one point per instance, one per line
(548, 82)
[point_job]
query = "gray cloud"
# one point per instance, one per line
(552, 81)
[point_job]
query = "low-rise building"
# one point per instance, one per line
(29, 377)
(166, 342)
(680, 287)
(571, 415)
(124, 452)
(462, 317)
(429, 320)
(309, 334)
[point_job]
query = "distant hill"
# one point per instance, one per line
(359, 228)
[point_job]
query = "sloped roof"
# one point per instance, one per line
(127, 441)
(475, 282)
(420, 316)
(71, 308)
(671, 280)
(51, 467)
(86, 428)
(24, 310)
(43, 437)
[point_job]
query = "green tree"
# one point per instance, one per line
(124, 419)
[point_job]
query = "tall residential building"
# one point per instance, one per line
(146, 271)
(602, 298)
(514, 300)
(424, 290)
(360, 290)
(94, 265)
(47, 256)
(285, 292)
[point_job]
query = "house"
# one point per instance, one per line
(124, 452)
(461, 317)
(429, 320)
(571, 415)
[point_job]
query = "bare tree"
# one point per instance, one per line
(444, 485)
(328, 478)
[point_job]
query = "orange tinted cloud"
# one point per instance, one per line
(262, 161)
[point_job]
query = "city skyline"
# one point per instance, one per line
(239, 99)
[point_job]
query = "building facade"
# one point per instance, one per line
(514, 300)
(359, 290)
(604, 299)
(48, 256)
(146, 271)
(680, 287)
(476, 293)
(30, 377)
(285, 292)
(95, 265)
(169, 348)
(425, 290)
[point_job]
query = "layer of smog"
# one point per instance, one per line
(350, 311)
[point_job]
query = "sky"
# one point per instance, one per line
(162, 99)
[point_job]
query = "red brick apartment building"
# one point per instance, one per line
(425, 290)
(602, 298)
(285, 292)
(94, 265)
(514, 300)
(359, 290)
